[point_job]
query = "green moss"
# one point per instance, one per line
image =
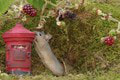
(45, 76)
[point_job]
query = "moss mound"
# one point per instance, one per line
(77, 43)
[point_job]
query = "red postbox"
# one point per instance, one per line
(18, 50)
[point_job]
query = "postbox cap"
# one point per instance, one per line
(18, 31)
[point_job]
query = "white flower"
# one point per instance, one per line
(20, 7)
(103, 18)
(99, 12)
(58, 23)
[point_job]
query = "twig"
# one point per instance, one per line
(44, 7)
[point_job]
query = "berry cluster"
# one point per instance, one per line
(28, 9)
(109, 40)
(68, 15)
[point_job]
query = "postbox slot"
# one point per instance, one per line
(19, 46)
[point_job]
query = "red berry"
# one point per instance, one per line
(109, 41)
(28, 9)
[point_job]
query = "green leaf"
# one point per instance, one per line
(37, 3)
(4, 5)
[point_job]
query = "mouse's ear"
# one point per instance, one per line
(48, 36)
